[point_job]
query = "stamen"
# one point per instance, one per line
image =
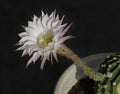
(45, 38)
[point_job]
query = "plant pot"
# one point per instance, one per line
(73, 74)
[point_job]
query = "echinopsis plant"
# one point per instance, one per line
(110, 68)
(44, 37)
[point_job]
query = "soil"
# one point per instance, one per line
(84, 86)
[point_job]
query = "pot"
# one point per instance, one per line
(73, 73)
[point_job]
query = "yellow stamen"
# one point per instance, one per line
(45, 39)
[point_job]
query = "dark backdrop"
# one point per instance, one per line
(96, 26)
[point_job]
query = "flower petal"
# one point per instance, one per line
(29, 43)
(20, 48)
(42, 13)
(31, 31)
(62, 19)
(66, 29)
(32, 48)
(64, 39)
(56, 23)
(49, 23)
(35, 56)
(44, 20)
(32, 24)
(43, 63)
(55, 55)
(47, 54)
(23, 34)
(57, 37)
(35, 18)
(60, 28)
(57, 18)
(53, 14)
(27, 38)
(24, 53)
(40, 25)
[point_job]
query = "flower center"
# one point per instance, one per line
(45, 39)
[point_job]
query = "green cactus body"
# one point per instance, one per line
(111, 70)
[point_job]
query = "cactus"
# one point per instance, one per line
(44, 37)
(110, 68)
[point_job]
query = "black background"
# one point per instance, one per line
(96, 26)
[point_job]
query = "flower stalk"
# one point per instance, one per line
(71, 55)
(44, 36)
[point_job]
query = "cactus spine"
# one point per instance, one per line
(111, 70)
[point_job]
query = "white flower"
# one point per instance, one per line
(43, 37)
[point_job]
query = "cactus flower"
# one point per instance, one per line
(43, 37)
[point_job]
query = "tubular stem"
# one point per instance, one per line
(71, 55)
